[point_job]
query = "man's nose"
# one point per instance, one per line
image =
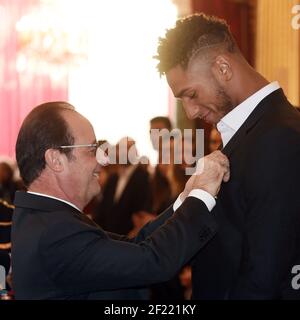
(191, 110)
(101, 157)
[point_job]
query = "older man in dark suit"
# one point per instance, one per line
(58, 253)
(253, 254)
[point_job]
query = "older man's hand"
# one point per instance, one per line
(211, 171)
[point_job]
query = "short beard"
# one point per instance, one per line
(225, 104)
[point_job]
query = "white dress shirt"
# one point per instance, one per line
(47, 196)
(233, 120)
(227, 127)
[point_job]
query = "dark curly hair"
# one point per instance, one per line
(191, 34)
(43, 128)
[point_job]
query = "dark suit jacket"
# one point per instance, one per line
(58, 253)
(117, 216)
(258, 211)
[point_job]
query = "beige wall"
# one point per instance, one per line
(278, 45)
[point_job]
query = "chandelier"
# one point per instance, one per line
(50, 41)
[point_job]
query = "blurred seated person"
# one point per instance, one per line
(8, 186)
(125, 192)
(159, 123)
(160, 186)
(169, 176)
(6, 213)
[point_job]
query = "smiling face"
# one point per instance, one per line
(80, 176)
(201, 94)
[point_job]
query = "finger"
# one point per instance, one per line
(226, 176)
(224, 172)
(224, 160)
(225, 165)
(221, 159)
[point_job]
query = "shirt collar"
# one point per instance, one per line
(47, 196)
(233, 120)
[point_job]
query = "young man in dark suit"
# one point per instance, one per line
(258, 211)
(59, 253)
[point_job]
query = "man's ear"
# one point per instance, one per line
(54, 160)
(222, 68)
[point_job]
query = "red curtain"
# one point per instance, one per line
(238, 15)
(19, 93)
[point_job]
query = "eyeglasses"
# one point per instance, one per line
(95, 146)
(91, 145)
(100, 155)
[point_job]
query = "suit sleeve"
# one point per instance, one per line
(79, 258)
(148, 229)
(272, 221)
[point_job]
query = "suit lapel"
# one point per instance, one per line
(265, 105)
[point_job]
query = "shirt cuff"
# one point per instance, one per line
(200, 194)
(206, 197)
(177, 203)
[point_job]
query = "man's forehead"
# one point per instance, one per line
(79, 126)
(177, 79)
(181, 81)
(180, 78)
(176, 73)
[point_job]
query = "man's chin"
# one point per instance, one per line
(211, 120)
(97, 190)
(93, 193)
